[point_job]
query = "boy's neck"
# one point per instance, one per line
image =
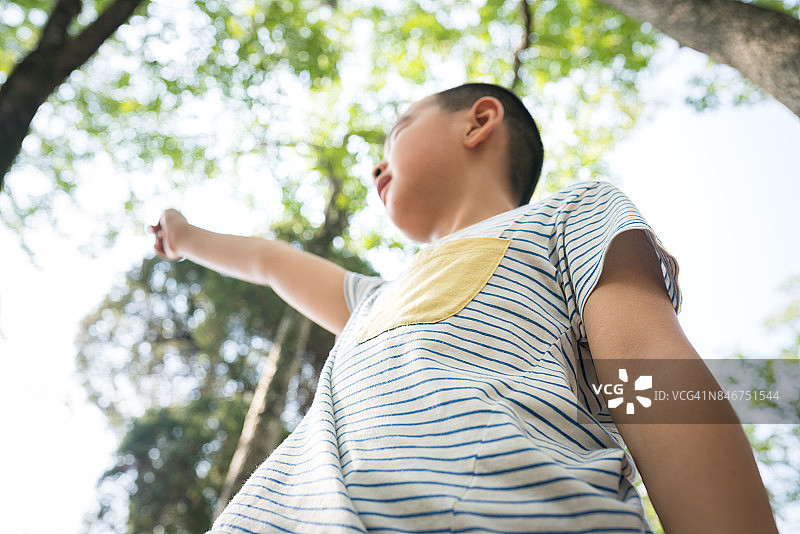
(466, 214)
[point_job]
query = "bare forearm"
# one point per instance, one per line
(312, 285)
(244, 258)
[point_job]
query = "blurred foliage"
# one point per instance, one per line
(787, 6)
(171, 334)
(172, 357)
(171, 462)
(174, 332)
(190, 91)
(775, 446)
(720, 85)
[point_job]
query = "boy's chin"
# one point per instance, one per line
(415, 232)
(417, 236)
(415, 224)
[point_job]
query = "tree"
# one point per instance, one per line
(171, 462)
(172, 357)
(758, 41)
(169, 357)
(244, 62)
(58, 52)
(128, 102)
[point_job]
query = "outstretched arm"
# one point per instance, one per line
(700, 477)
(312, 285)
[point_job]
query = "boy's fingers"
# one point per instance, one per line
(159, 247)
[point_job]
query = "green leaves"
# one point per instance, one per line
(188, 91)
(20, 24)
(174, 460)
(158, 339)
(196, 90)
(788, 6)
(172, 357)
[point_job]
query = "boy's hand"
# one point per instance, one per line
(171, 226)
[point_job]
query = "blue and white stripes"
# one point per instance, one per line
(470, 423)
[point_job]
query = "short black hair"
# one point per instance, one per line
(525, 149)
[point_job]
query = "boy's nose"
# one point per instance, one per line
(379, 168)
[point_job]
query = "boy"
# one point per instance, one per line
(456, 397)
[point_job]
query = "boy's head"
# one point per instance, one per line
(525, 151)
(457, 157)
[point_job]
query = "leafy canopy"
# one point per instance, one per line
(195, 91)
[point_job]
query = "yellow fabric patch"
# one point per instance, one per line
(440, 282)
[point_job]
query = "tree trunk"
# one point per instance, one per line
(262, 430)
(262, 426)
(762, 44)
(57, 54)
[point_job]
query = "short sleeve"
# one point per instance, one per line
(357, 287)
(590, 217)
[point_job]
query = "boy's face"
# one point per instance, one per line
(415, 180)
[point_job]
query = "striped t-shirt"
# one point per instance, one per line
(457, 397)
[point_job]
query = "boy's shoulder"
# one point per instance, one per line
(574, 198)
(576, 192)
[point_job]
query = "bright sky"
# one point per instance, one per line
(721, 189)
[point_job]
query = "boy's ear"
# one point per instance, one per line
(485, 116)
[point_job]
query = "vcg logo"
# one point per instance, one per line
(616, 391)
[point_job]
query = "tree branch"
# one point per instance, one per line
(760, 43)
(527, 19)
(262, 430)
(82, 47)
(56, 55)
(54, 33)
